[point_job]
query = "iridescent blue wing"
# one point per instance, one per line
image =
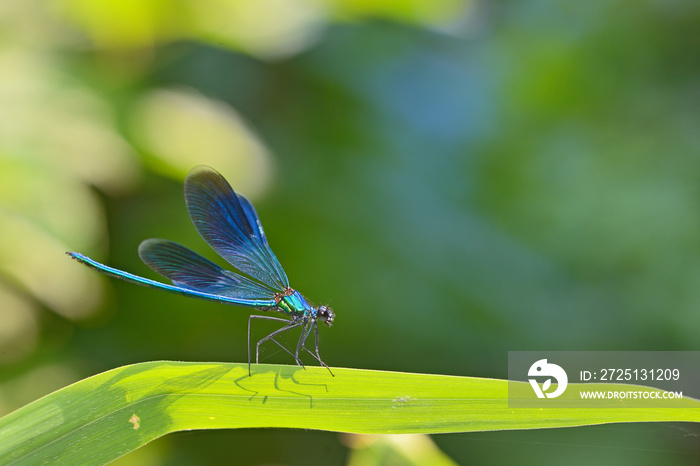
(187, 269)
(229, 223)
(253, 218)
(129, 277)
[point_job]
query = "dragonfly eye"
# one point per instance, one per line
(326, 314)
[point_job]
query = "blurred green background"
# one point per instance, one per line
(456, 178)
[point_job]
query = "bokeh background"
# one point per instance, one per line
(457, 178)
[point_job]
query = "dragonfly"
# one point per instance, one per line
(229, 223)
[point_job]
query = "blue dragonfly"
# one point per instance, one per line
(230, 225)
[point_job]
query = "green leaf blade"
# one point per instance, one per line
(108, 415)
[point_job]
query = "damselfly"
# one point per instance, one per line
(230, 225)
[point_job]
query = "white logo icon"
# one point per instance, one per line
(542, 368)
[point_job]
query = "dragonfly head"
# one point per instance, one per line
(325, 314)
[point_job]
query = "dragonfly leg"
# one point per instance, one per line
(289, 326)
(271, 337)
(317, 356)
(302, 341)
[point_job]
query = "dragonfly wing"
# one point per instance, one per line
(187, 269)
(231, 226)
(253, 218)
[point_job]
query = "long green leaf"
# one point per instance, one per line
(108, 415)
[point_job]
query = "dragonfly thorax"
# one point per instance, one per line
(291, 302)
